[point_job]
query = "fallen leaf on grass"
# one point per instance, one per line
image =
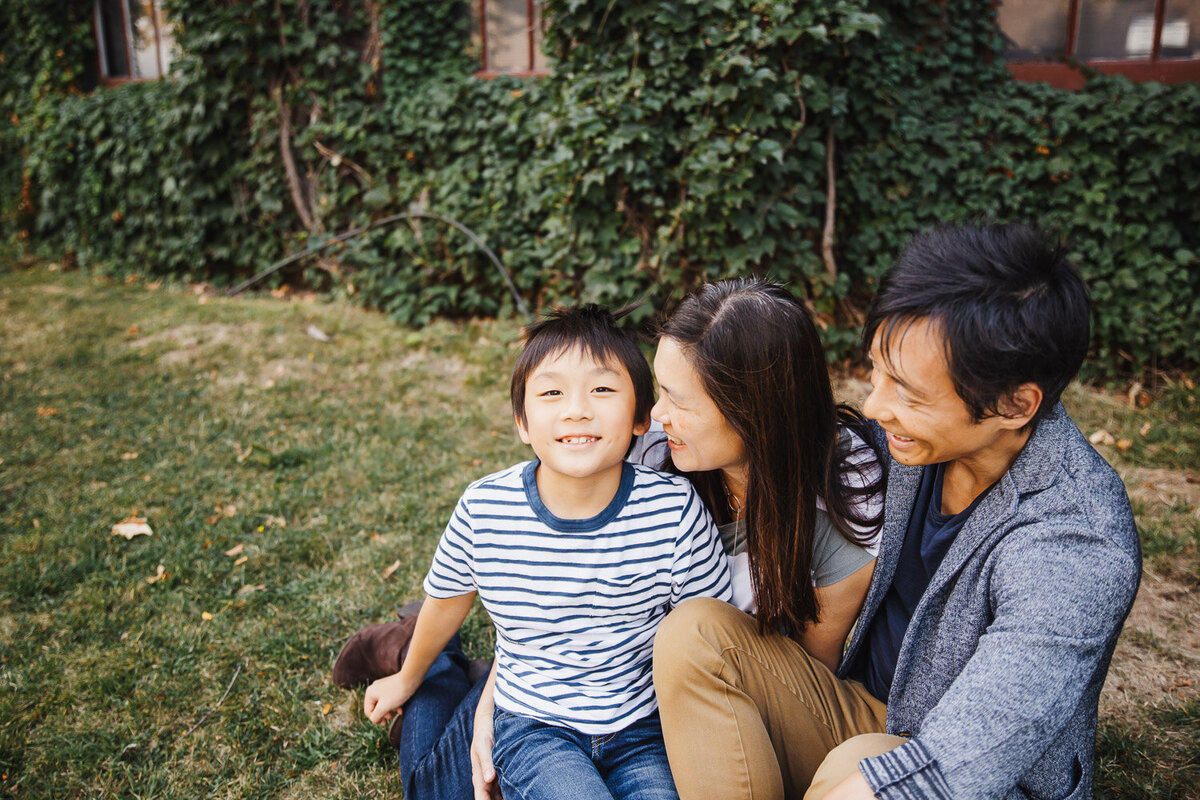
(273, 520)
(1145, 429)
(236, 550)
(387, 573)
(1102, 437)
(325, 709)
(43, 411)
(204, 615)
(131, 527)
(132, 330)
(130, 456)
(1124, 444)
(222, 511)
(318, 334)
(241, 561)
(251, 589)
(159, 575)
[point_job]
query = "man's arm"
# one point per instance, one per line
(1057, 597)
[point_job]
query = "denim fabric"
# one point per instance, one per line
(537, 761)
(439, 720)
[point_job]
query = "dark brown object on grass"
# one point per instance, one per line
(376, 651)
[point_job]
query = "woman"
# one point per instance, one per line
(746, 405)
(747, 413)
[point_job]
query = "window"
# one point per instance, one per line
(1143, 39)
(508, 34)
(133, 40)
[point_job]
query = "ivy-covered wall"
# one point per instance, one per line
(673, 143)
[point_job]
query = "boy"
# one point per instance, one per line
(576, 555)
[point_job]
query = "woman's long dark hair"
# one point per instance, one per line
(760, 359)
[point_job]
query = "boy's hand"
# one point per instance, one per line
(437, 622)
(385, 697)
(483, 772)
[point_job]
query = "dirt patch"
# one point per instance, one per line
(61, 291)
(346, 713)
(1157, 661)
(184, 342)
(1167, 487)
(191, 336)
(851, 391)
(451, 367)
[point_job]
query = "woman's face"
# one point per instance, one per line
(699, 436)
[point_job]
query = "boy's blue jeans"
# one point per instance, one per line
(439, 721)
(538, 761)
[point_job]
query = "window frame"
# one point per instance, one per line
(127, 41)
(1065, 73)
(533, 21)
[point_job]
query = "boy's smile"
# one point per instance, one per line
(579, 421)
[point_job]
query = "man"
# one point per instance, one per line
(1009, 554)
(1008, 561)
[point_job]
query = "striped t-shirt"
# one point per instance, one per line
(575, 602)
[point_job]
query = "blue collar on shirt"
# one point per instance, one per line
(529, 476)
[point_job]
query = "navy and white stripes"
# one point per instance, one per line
(576, 602)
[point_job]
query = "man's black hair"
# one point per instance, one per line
(594, 330)
(1010, 308)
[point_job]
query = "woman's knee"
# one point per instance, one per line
(691, 639)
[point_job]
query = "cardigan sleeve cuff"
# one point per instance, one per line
(909, 772)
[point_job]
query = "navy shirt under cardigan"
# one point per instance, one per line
(930, 534)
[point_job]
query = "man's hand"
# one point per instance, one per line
(854, 787)
(385, 697)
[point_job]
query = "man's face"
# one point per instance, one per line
(914, 400)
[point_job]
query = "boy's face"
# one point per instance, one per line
(914, 400)
(579, 416)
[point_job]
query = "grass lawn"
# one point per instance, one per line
(296, 489)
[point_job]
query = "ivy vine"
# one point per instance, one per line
(671, 144)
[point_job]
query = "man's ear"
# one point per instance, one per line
(1021, 405)
(524, 434)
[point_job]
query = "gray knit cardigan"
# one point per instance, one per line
(999, 674)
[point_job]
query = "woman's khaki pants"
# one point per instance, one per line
(753, 716)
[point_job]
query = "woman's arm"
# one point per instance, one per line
(839, 604)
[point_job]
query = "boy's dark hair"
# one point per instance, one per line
(593, 329)
(1010, 307)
